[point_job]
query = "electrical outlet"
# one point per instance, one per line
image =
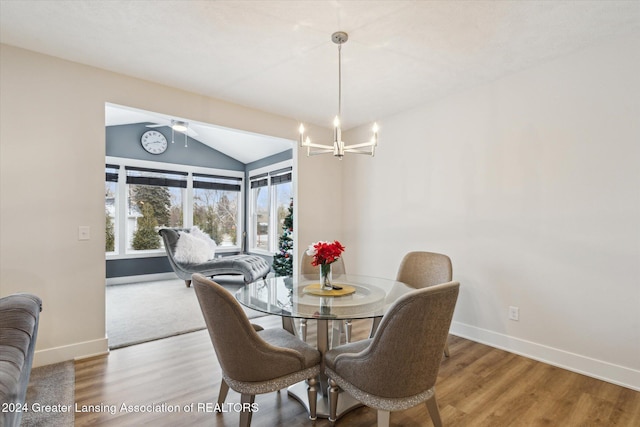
(514, 313)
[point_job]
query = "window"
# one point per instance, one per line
(260, 217)
(270, 196)
(282, 193)
(155, 200)
(141, 197)
(216, 204)
(110, 198)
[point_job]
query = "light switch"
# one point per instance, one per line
(84, 232)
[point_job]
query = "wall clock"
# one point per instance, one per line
(154, 142)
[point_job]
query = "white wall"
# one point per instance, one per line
(52, 151)
(532, 185)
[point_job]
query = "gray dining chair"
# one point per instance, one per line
(397, 369)
(421, 269)
(313, 271)
(253, 360)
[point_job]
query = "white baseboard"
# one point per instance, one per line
(605, 371)
(141, 278)
(70, 352)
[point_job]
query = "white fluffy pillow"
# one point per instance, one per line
(196, 232)
(191, 250)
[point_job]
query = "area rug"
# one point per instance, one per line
(51, 389)
(148, 311)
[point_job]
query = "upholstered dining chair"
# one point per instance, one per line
(253, 360)
(310, 270)
(421, 269)
(401, 360)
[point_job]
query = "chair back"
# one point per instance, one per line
(307, 269)
(242, 353)
(404, 355)
(424, 269)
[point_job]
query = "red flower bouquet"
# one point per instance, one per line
(325, 252)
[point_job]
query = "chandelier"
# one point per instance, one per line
(339, 148)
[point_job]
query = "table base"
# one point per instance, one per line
(346, 403)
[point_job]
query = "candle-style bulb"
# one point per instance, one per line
(301, 129)
(336, 122)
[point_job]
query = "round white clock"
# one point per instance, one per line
(154, 142)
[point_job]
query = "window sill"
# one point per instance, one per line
(161, 253)
(137, 254)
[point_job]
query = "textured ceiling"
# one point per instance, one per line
(278, 56)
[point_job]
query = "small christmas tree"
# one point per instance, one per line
(283, 259)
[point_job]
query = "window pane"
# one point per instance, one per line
(261, 221)
(216, 212)
(110, 192)
(283, 199)
(271, 194)
(151, 207)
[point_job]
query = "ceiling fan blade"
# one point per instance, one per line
(189, 131)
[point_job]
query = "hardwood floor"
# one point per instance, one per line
(477, 386)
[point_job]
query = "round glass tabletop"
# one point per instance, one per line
(298, 297)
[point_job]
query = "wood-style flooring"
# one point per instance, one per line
(477, 386)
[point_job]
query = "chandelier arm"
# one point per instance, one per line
(362, 145)
(313, 153)
(321, 146)
(358, 151)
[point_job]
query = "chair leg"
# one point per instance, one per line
(446, 349)
(222, 394)
(312, 394)
(432, 406)
(383, 418)
(348, 328)
(303, 329)
(247, 402)
(187, 283)
(374, 326)
(288, 325)
(333, 400)
(336, 332)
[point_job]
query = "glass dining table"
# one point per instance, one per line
(360, 297)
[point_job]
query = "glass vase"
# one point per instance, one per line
(325, 277)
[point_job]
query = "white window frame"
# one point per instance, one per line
(273, 231)
(121, 204)
(116, 224)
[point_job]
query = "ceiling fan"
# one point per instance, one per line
(176, 126)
